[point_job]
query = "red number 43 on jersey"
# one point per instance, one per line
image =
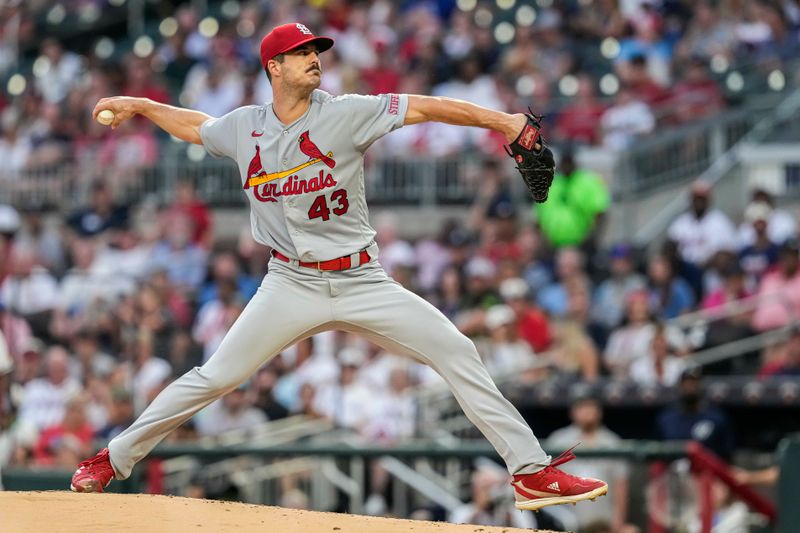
(319, 208)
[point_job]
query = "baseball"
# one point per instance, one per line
(105, 117)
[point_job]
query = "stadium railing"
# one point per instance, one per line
(671, 497)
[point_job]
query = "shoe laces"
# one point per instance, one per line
(90, 464)
(564, 458)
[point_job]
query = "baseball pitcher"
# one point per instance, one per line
(301, 160)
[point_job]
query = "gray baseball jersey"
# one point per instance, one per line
(305, 180)
(305, 184)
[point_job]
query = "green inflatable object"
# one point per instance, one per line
(568, 215)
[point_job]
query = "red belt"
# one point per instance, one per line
(340, 263)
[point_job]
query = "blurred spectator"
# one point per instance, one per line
(532, 324)
(728, 324)
(661, 366)
(692, 419)
(100, 215)
(10, 222)
(215, 317)
(779, 291)
(392, 414)
(626, 120)
(183, 261)
(30, 290)
(189, 205)
(670, 295)
(65, 442)
(89, 359)
(579, 120)
(225, 265)
(611, 295)
(784, 359)
(553, 298)
(29, 361)
(263, 386)
(393, 251)
(44, 398)
(696, 95)
(449, 298)
(125, 255)
(16, 330)
(732, 288)
(36, 233)
(149, 373)
(142, 82)
(703, 230)
(708, 33)
(488, 505)
(574, 352)
(494, 194)
(234, 412)
(311, 366)
(472, 85)
(781, 225)
(574, 209)
(62, 72)
(637, 77)
(343, 402)
(587, 428)
(505, 353)
(81, 287)
(120, 415)
(647, 41)
(761, 255)
(631, 340)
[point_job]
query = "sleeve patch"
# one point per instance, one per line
(394, 104)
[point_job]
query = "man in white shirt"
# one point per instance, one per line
(781, 225)
(44, 398)
(588, 429)
(660, 367)
(702, 231)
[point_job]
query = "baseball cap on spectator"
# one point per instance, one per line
(513, 289)
(480, 267)
(287, 37)
(503, 209)
(757, 211)
(351, 356)
(621, 251)
(9, 220)
(33, 346)
(458, 238)
(499, 315)
(700, 188)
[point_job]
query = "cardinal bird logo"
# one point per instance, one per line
(308, 147)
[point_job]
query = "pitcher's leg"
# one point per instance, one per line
(403, 322)
(281, 313)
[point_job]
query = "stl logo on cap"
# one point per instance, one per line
(288, 36)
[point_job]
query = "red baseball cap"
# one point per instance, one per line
(288, 36)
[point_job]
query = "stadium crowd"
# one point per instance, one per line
(603, 72)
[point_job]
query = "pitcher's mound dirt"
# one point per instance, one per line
(66, 512)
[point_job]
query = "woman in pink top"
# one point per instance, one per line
(779, 292)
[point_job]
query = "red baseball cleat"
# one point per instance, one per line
(93, 475)
(551, 486)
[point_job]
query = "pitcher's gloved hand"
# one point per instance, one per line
(534, 159)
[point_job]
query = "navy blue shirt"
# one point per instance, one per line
(710, 427)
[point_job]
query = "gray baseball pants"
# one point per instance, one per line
(296, 302)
